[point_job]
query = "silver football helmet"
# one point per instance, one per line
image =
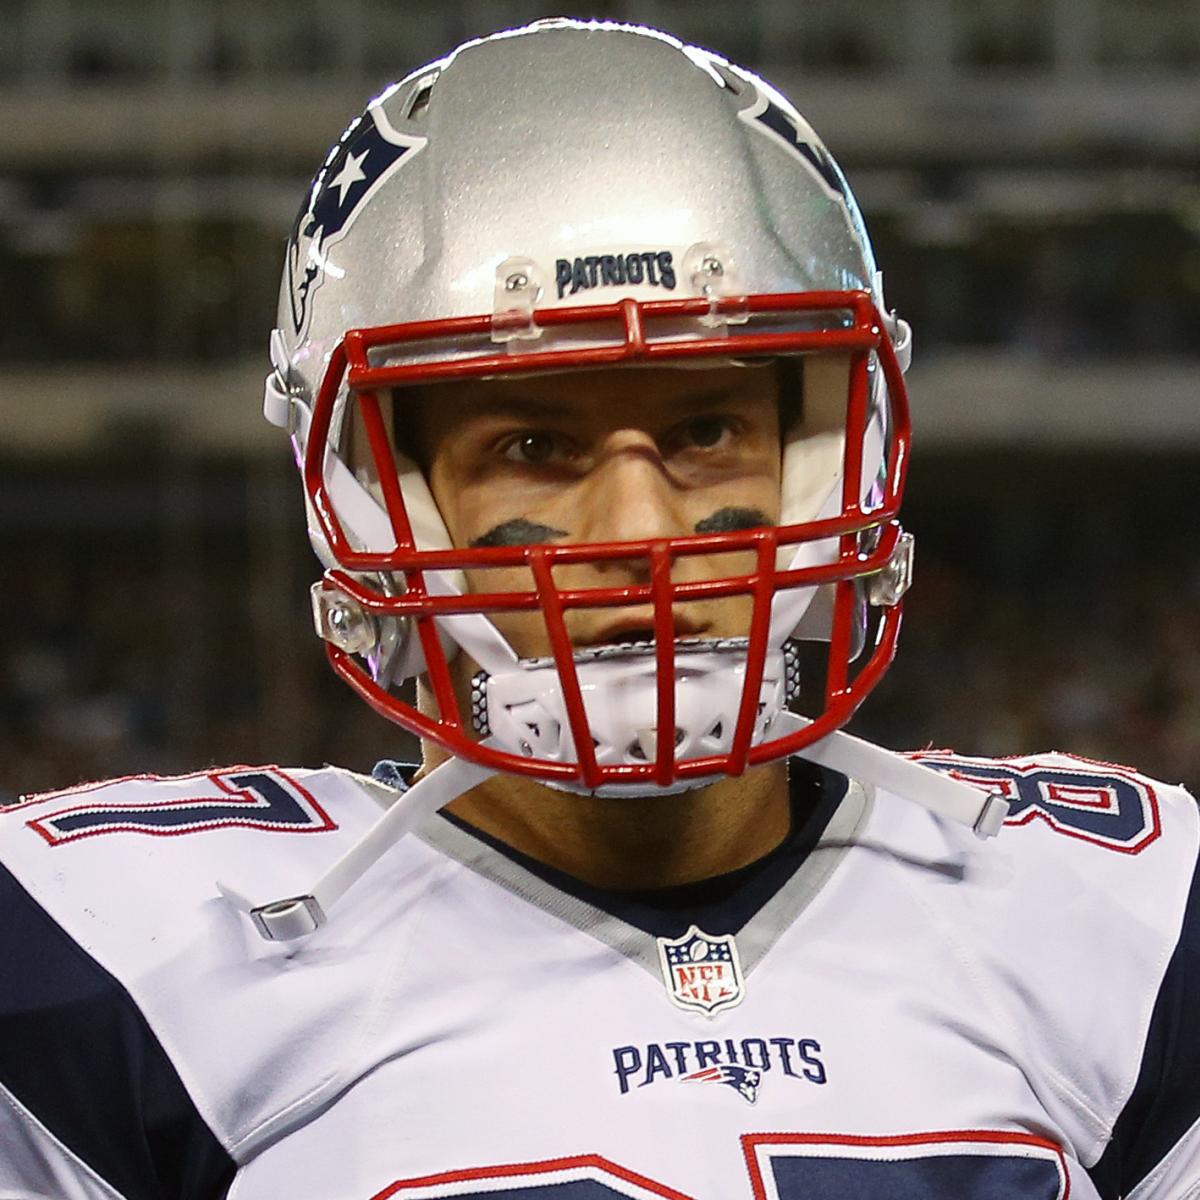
(558, 197)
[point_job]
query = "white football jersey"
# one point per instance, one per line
(884, 1007)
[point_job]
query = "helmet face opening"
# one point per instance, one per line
(630, 686)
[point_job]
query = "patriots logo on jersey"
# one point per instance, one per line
(702, 973)
(365, 156)
(744, 1080)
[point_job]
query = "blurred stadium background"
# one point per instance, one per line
(1028, 169)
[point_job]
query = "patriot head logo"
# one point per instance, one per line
(365, 156)
(702, 973)
(743, 1080)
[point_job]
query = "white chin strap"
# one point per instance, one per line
(293, 917)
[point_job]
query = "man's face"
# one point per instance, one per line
(605, 456)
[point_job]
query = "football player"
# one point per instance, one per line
(603, 433)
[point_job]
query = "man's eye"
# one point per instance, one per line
(708, 433)
(534, 448)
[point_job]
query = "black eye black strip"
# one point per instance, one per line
(518, 532)
(521, 532)
(727, 520)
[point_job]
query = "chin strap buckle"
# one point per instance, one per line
(283, 920)
(992, 816)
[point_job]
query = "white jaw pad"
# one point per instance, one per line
(814, 454)
(813, 466)
(368, 527)
(474, 632)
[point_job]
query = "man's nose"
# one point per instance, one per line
(629, 494)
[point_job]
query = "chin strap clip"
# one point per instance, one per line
(294, 917)
(518, 290)
(710, 269)
(284, 920)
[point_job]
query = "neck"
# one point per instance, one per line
(634, 842)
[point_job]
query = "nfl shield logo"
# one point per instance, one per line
(702, 973)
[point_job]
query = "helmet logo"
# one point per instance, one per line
(365, 156)
(795, 133)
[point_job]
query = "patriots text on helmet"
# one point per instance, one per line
(653, 267)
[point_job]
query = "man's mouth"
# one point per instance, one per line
(629, 637)
(639, 630)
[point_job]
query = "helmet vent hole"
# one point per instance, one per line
(717, 730)
(420, 101)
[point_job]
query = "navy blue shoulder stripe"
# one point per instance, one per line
(1165, 1101)
(79, 1055)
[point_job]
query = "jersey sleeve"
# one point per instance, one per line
(1087, 923)
(90, 1103)
(1154, 1153)
(147, 1035)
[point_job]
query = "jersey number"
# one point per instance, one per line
(1093, 802)
(965, 1165)
(259, 798)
